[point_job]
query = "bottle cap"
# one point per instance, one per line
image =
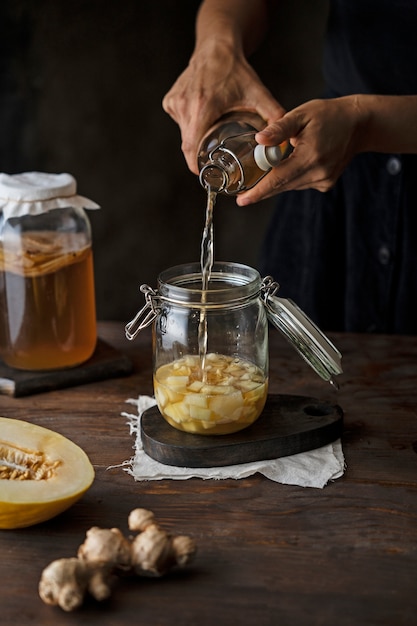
(267, 156)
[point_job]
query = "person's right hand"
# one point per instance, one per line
(325, 135)
(216, 81)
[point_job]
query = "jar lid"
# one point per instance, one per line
(305, 336)
(38, 192)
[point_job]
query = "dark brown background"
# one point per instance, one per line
(81, 85)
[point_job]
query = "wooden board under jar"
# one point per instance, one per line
(288, 425)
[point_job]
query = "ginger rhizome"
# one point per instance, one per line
(106, 552)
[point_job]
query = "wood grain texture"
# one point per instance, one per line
(267, 553)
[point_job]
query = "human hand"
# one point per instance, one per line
(215, 82)
(325, 136)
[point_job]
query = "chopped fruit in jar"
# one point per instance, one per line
(227, 396)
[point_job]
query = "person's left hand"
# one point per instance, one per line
(324, 135)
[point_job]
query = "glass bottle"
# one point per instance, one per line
(230, 160)
(210, 347)
(47, 299)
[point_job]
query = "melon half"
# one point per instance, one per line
(42, 473)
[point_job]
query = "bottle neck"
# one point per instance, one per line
(223, 172)
(214, 177)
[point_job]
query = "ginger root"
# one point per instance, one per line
(105, 552)
(106, 547)
(153, 551)
(66, 581)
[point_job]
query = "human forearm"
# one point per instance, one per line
(326, 134)
(219, 78)
(386, 123)
(239, 24)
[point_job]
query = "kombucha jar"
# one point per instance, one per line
(47, 298)
(210, 347)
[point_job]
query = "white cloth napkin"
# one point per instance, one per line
(307, 469)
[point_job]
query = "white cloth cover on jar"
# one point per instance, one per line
(32, 193)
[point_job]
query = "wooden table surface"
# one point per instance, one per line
(268, 553)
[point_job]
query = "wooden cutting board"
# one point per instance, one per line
(106, 362)
(288, 425)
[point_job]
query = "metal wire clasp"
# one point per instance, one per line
(148, 313)
(269, 287)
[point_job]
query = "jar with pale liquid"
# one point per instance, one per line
(47, 298)
(230, 160)
(210, 347)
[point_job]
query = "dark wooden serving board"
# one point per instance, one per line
(288, 425)
(106, 362)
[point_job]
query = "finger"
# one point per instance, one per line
(277, 184)
(287, 127)
(193, 130)
(287, 176)
(270, 110)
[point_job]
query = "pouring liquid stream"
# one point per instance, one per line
(206, 261)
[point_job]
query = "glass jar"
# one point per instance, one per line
(47, 299)
(210, 348)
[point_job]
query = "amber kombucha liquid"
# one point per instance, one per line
(47, 302)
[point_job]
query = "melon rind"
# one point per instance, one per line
(27, 502)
